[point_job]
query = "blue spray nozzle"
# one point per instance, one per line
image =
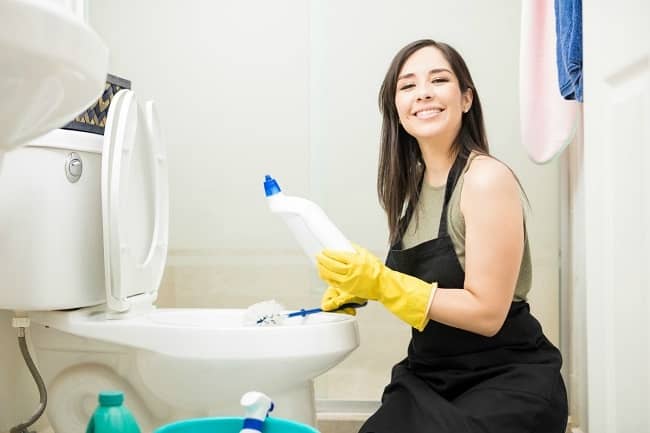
(271, 186)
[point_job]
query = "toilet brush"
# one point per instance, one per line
(270, 313)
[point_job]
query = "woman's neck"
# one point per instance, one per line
(438, 161)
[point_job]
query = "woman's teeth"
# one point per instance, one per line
(425, 114)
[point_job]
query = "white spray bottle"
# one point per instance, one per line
(256, 408)
(307, 221)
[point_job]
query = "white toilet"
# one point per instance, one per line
(83, 245)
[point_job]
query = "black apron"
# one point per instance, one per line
(457, 381)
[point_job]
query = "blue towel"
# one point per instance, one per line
(568, 28)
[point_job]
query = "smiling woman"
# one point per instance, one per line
(477, 360)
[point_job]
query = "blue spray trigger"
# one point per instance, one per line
(271, 186)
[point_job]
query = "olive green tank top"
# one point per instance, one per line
(426, 220)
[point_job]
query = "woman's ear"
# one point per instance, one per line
(468, 97)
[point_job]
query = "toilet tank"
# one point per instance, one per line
(51, 249)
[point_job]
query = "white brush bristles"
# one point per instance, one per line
(265, 313)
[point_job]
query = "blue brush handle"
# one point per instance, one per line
(302, 312)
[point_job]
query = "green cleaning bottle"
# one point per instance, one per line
(112, 416)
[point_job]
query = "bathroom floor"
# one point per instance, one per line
(326, 426)
(330, 426)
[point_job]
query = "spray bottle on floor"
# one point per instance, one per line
(256, 408)
(306, 220)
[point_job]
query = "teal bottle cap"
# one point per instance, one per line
(111, 398)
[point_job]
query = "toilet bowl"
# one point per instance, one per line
(84, 229)
(183, 363)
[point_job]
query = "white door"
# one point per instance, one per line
(617, 214)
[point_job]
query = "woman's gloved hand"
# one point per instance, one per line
(334, 298)
(363, 275)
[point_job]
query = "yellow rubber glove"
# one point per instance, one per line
(363, 275)
(334, 297)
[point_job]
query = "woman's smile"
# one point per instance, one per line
(428, 112)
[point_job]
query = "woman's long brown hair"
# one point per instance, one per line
(401, 168)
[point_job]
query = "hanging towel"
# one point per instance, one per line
(548, 122)
(568, 27)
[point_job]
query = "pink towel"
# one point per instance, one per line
(548, 122)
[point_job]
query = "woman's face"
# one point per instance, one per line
(428, 99)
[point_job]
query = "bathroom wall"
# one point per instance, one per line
(574, 281)
(289, 88)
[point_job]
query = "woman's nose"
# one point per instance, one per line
(425, 91)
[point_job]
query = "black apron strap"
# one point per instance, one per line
(452, 178)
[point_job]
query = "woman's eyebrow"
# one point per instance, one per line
(431, 72)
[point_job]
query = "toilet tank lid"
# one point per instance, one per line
(69, 140)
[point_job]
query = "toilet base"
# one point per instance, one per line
(76, 369)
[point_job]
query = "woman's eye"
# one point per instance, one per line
(439, 80)
(407, 86)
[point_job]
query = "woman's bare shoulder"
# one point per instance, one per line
(488, 175)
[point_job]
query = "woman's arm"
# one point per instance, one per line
(494, 242)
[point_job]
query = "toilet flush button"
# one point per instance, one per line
(73, 167)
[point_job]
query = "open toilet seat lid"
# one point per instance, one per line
(135, 204)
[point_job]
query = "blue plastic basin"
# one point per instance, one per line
(233, 425)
